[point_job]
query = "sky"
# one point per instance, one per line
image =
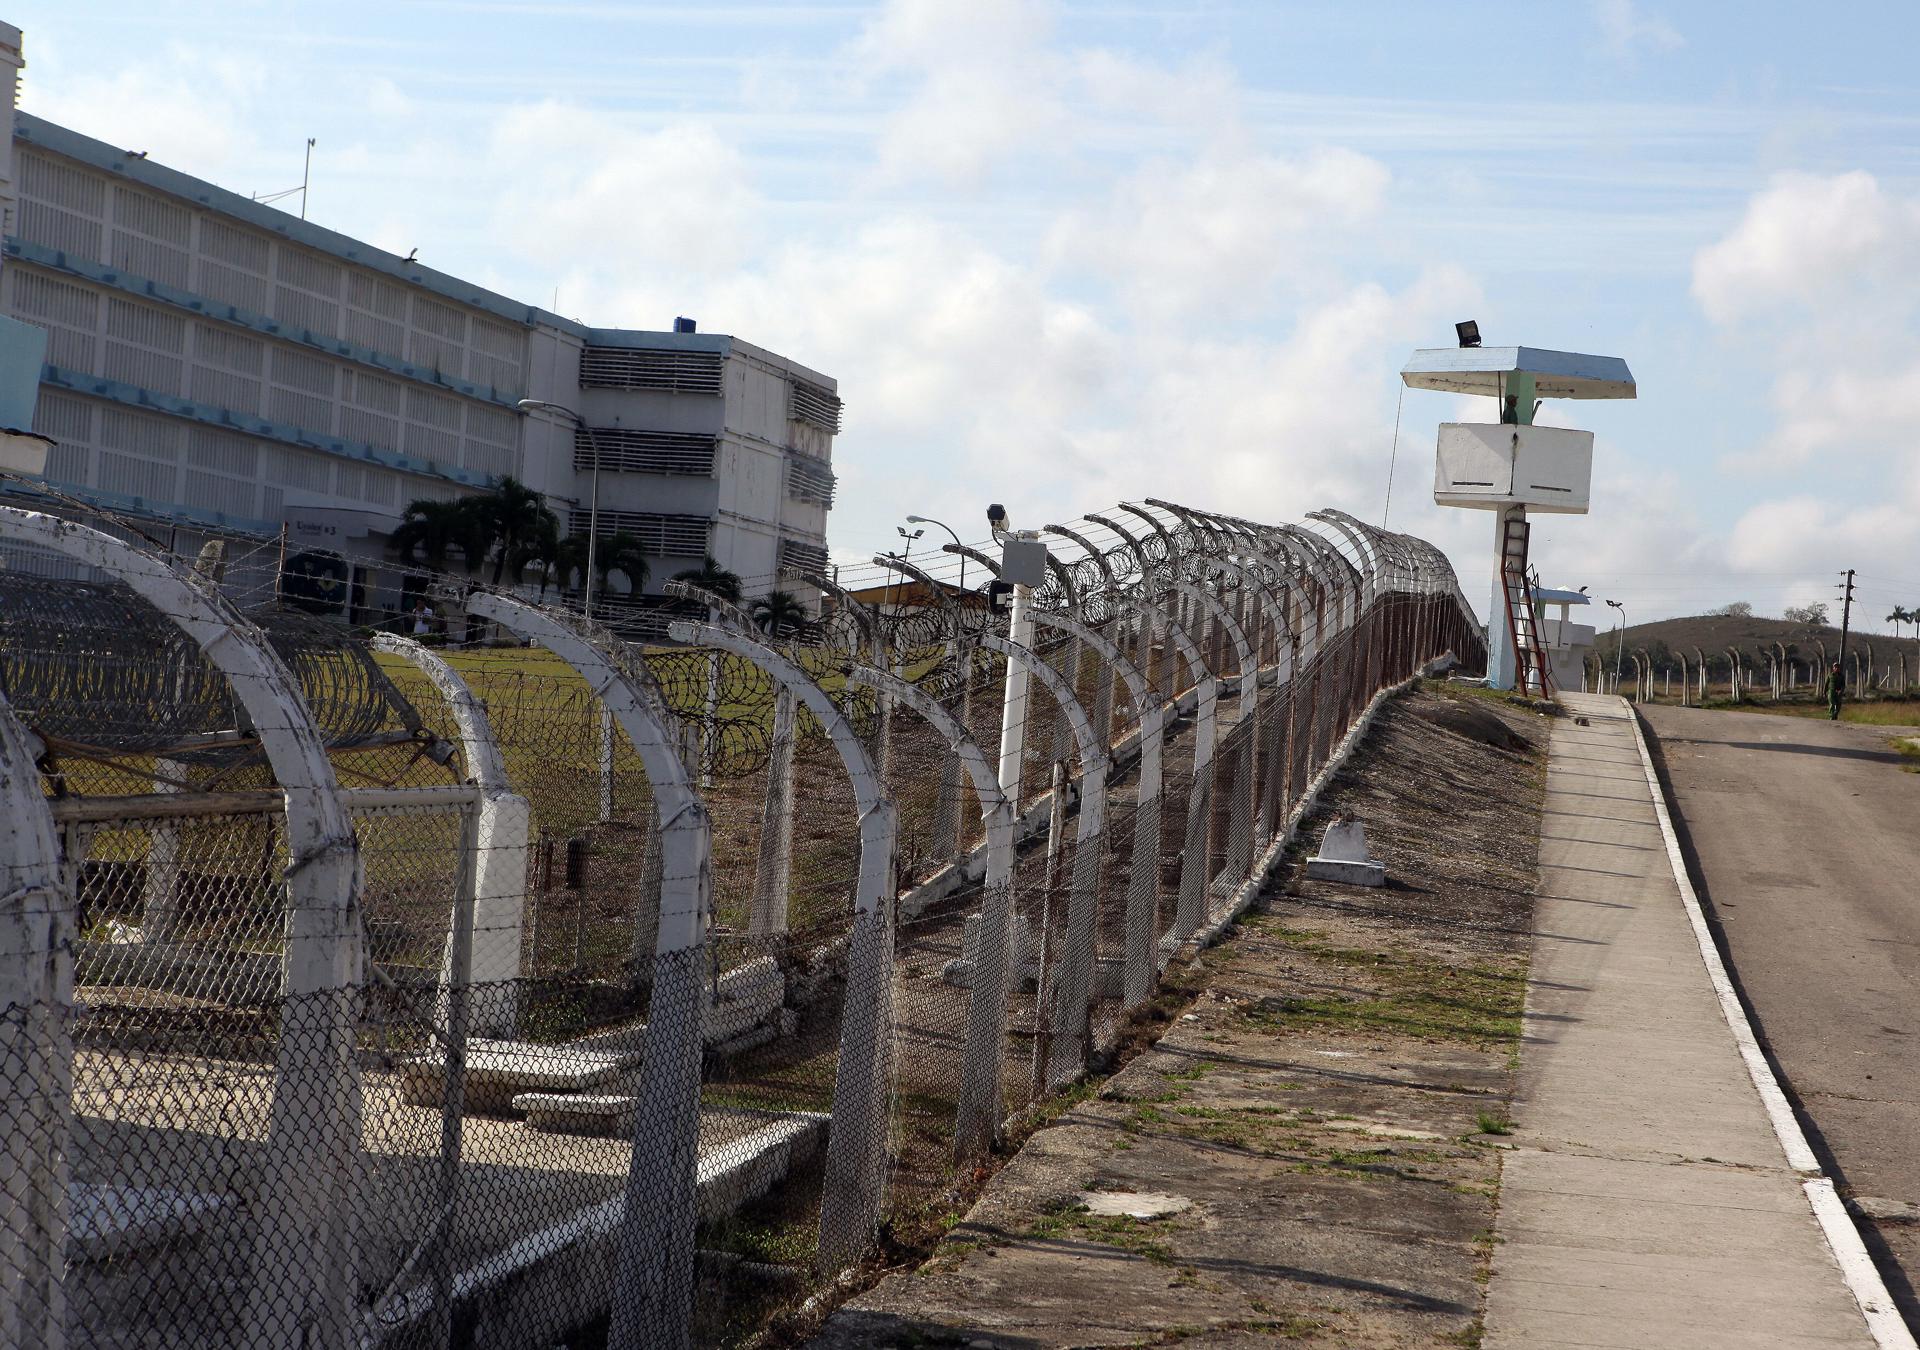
(1060, 253)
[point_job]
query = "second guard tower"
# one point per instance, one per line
(1511, 467)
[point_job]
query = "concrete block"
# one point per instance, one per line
(610, 1115)
(1343, 856)
(497, 1070)
(106, 1220)
(746, 1169)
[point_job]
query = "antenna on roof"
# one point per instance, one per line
(306, 176)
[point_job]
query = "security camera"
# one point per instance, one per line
(997, 518)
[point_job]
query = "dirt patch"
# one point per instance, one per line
(1331, 1102)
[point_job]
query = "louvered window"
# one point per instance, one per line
(70, 314)
(660, 535)
(627, 451)
(796, 553)
(815, 406)
(669, 372)
(809, 480)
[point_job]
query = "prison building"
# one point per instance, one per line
(220, 365)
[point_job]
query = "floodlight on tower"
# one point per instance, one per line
(1511, 467)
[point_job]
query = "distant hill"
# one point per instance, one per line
(1714, 633)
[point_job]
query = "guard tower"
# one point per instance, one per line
(1511, 467)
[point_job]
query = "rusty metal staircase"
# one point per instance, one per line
(1531, 672)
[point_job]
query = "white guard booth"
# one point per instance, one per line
(1511, 467)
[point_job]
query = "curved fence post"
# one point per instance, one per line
(36, 1051)
(505, 822)
(1143, 887)
(1200, 852)
(304, 1211)
(948, 805)
(977, 1120)
(1062, 1051)
(773, 863)
(1103, 691)
(1144, 586)
(1248, 823)
(1189, 902)
(854, 1186)
(653, 1254)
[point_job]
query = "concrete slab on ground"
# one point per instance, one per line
(1647, 1201)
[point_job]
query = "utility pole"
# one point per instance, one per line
(1846, 621)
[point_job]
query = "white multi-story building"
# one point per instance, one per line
(222, 365)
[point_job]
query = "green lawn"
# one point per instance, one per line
(1879, 712)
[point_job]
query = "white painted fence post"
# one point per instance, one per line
(854, 1187)
(653, 1253)
(36, 1052)
(305, 1206)
(1143, 892)
(1249, 691)
(773, 871)
(1063, 1051)
(977, 1119)
(503, 827)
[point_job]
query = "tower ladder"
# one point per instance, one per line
(1531, 672)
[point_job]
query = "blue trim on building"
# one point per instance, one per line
(166, 513)
(133, 396)
(85, 269)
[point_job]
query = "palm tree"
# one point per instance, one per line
(711, 577)
(543, 550)
(515, 517)
(1901, 614)
(779, 613)
(623, 553)
(429, 530)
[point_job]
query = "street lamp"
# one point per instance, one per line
(593, 503)
(1615, 604)
(906, 554)
(958, 542)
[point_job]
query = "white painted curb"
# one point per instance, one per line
(1888, 1328)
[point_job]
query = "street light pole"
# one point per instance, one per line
(929, 520)
(906, 553)
(1620, 646)
(593, 501)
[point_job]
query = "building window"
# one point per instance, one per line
(809, 480)
(803, 556)
(660, 535)
(815, 406)
(627, 451)
(668, 372)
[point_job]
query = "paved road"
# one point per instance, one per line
(1804, 836)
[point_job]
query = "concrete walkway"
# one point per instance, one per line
(1647, 1201)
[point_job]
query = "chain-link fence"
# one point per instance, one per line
(563, 991)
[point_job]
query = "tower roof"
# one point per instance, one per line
(1488, 370)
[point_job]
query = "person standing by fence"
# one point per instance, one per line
(1836, 686)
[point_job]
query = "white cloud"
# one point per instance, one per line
(187, 107)
(1804, 239)
(583, 185)
(1220, 228)
(985, 86)
(1627, 31)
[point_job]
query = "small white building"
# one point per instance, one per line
(1567, 642)
(218, 365)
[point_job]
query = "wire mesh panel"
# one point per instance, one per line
(545, 1105)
